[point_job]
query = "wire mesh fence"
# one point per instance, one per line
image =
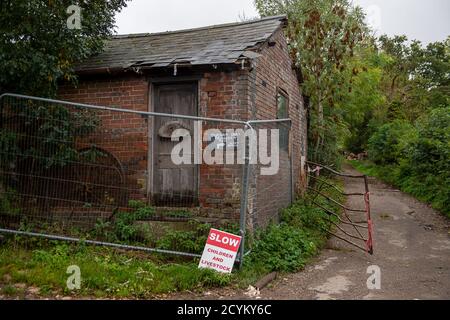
(136, 180)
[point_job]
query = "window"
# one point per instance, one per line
(282, 113)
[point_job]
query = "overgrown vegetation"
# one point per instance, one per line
(142, 226)
(405, 127)
(37, 49)
(323, 37)
(432, 189)
(387, 96)
(288, 246)
(105, 272)
(284, 247)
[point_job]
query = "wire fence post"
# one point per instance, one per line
(369, 242)
(291, 163)
(244, 200)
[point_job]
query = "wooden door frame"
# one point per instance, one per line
(152, 83)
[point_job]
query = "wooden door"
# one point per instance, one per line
(173, 185)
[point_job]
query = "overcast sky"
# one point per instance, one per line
(424, 20)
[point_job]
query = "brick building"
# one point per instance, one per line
(237, 71)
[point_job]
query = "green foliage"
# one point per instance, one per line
(123, 227)
(388, 145)
(323, 37)
(105, 272)
(303, 230)
(416, 159)
(38, 139)
(141, 210)
(178, 214)
(108, 273)
(431, 151)
(8, 148)
(406, 128)
(430, 188)
(37, 49)
(186, 241)
(9, 202)
(284, 248)
(126, 229)
(361, 106)
(56, 127)
(394, 80)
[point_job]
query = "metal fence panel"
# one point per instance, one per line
(110, 176)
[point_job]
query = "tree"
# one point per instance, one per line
(392, 79)
(416, 79)
(37, 49)
(363, 106)
(323, 35)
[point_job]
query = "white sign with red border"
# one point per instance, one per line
(220, 251)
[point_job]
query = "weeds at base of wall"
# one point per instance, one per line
(36, 263)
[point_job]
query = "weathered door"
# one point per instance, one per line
(173, 185)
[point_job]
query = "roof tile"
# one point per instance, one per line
(221, 44)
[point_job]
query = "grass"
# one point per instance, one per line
(429, 189)
(9, 290)
(109, 273)
(104, 272)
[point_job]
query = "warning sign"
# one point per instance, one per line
(220, 251)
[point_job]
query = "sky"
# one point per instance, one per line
(424, 20)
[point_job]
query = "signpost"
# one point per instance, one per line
(220, 251)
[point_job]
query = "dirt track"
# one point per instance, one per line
(412, 249)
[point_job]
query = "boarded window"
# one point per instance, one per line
(282, 113)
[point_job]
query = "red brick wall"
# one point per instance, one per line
(230, 95)
(123, 135)
(222, 95)
(274, 71)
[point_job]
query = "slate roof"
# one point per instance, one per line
(220, 44)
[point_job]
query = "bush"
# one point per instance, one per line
(9, 202)
(390, 143)
(431, 151)
(284, 248)
(287, 246)
(426, 173)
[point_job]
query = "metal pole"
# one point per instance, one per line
(98, 243)
(291, 163)
(114, 109)
(369, 242)
(244, 201)
(142, 113)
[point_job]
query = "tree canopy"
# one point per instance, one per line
(323, 36)
(37, 49)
